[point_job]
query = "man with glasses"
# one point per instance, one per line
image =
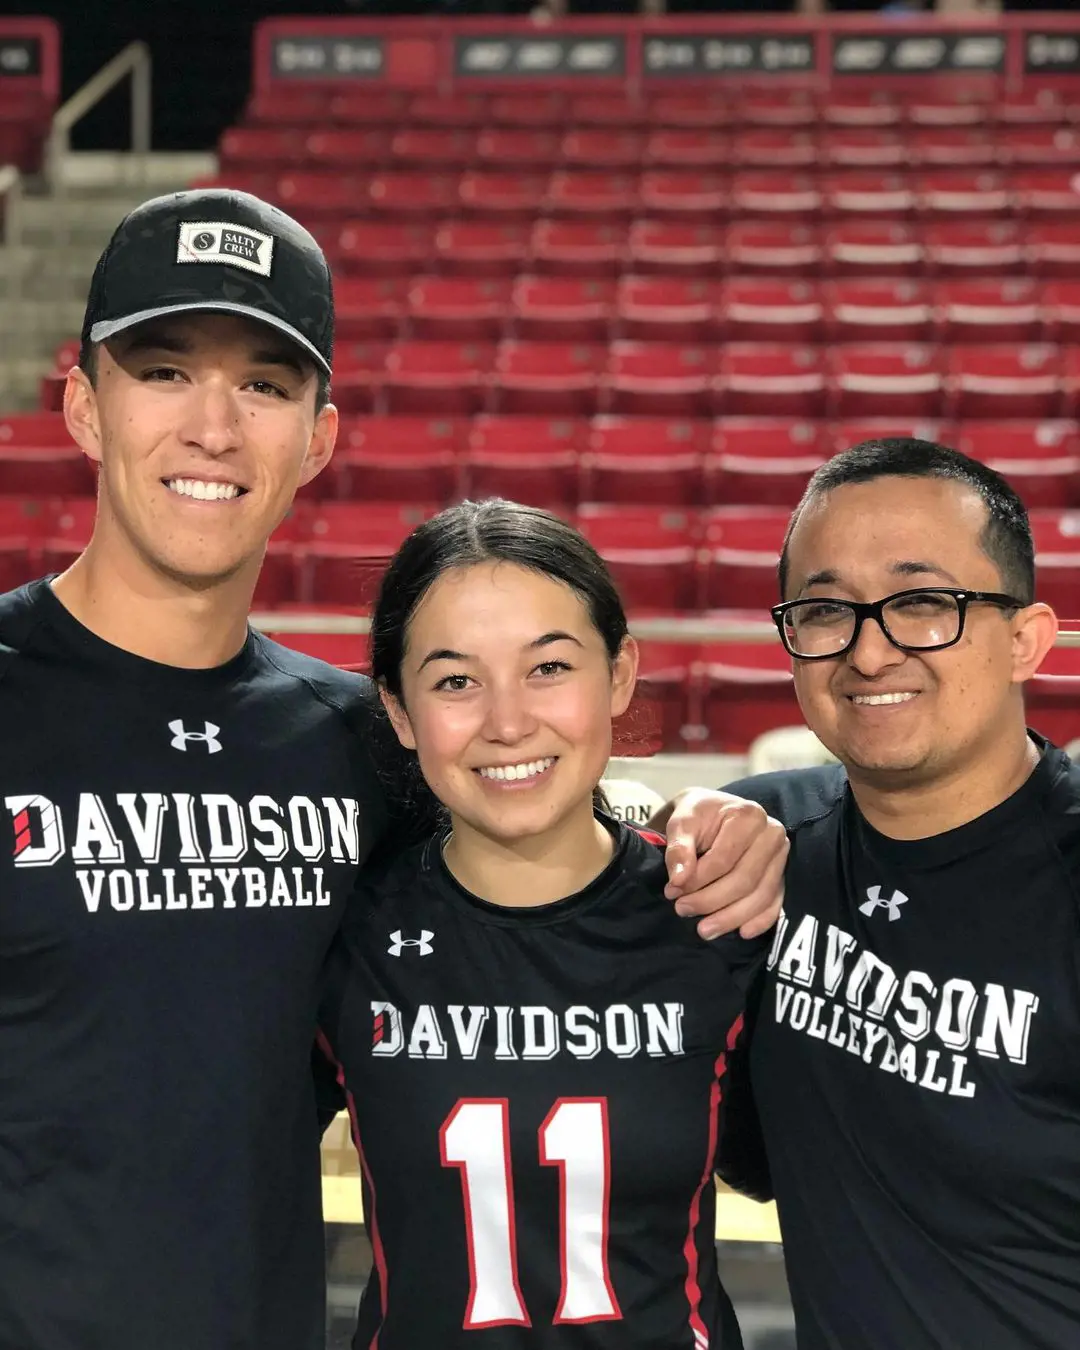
(915, 1057)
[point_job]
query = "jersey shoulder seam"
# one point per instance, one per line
(9, 655)
(323, 697)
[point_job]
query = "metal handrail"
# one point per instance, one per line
(135, 61)
(11, 193)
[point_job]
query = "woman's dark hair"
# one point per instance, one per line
(489, 531)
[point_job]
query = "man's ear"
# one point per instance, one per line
(399, 718)
(323, 439)
(81, 413)
(1034, 630)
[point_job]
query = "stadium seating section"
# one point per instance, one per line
(656, 318)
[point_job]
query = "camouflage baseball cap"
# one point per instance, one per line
(214, 249)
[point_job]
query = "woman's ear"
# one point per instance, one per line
(624, 676)
(399, 718)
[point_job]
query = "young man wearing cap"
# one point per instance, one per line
(189, 806)
(915, 1061)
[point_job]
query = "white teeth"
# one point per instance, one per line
(882, 698)
(511, 772)
(203, 491)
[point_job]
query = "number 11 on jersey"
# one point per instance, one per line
(475, 1138)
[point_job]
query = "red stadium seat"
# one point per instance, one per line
(458, 308)
(1052, 695)
(868, 194)
(651, 552)
(565, 308)
(871, 108)
(644, 461)
(1061, 310)
(1040, 459)
(761, 309)
(610, 195)
(688, 149)
(742, 547)
(432, 147)
(1052, 147)
(359, 369)
(774, 149)
(600, 149)
(39, 428)
(974, 248)
(863, 148)
(260, 147)
(377, 247)
(763, 461)
(352, 650)
(1057, 562)
(604, 110)
(1052, 194)
(291, 107)
(1071, 379)
(683, 194)
(671, 309)
(951, 147)
(942, 106)
(546, 378)
(321, 196)
(21, 533)
(66, 529)
(886, 309)
(362, 107)
(885, 380)
(448, 378)
(675, 246)
(502, 194)
(963, 193)
(538, 108)
(771, 379)
(660, 713)
(412, 195)
(778, 247)
(658, 379)
(353, 147)
(447, 110)
(844, 435)
(368, 307)
(702, 108)
(873, 248)
(481, 247)
(777, 108)
(397, 459)
(1053, 248)
(743, 689)
(591, 247)
(517, 149)
(1030, 107)
(763, 193)
(989, 381)
(529, 459)
(987, 309)
(349, 546)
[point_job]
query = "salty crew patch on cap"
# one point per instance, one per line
(217, 241)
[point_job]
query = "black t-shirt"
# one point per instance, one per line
(535, 1095)
(181, 844)
(915, 1062)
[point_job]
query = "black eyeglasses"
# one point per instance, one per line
(915, 621)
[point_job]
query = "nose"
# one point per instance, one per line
(509, 717)
(211, 419)
(873, 652)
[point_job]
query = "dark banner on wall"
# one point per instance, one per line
(20, 56)
(923, 53)
(327, 58)
(512, 56)
(692, 55)
(1050, 53)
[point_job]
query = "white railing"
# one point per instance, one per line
(11, 192)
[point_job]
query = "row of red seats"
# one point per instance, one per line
(25, 119)
(329, 196)
(720, 696)
(562, 461)
(583, 147)
(935, 106)
(665, 559)
(665, 308)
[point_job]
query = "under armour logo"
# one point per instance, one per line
(876, 902)
(422, 943)
(209, 736)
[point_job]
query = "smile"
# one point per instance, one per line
(203, 491)
(506, 773)
(876, 700)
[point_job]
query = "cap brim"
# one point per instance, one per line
(101, 332)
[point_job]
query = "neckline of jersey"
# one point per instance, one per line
(555, 911)
(992, 827)
(96, 650)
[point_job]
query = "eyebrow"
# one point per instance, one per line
(446, 654)
(909, 567)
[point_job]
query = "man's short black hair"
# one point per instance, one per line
(88, 364)
(1005, 538)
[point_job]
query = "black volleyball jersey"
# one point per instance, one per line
(536, 1095)
(179, 848)
(915, 1062)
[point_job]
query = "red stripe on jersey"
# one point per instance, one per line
(651, 837)
(690, 1249)
(371, 1210)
